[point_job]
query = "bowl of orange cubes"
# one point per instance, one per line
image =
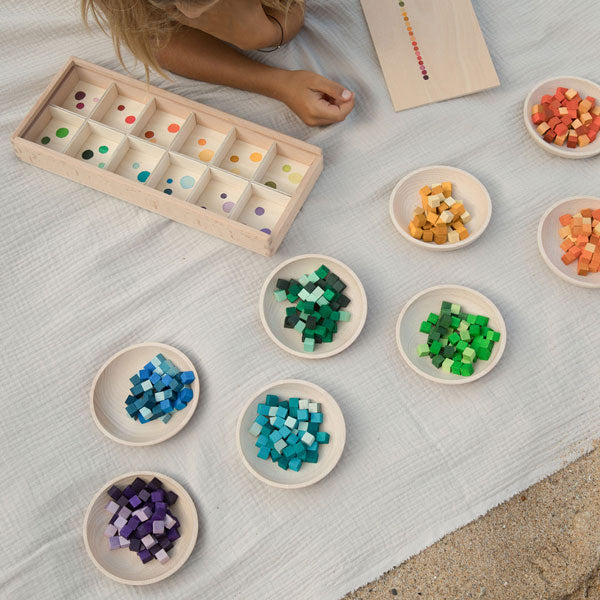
(569, 240)
(440, 208)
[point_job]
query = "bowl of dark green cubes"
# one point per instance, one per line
(313, 306)
(451, 334)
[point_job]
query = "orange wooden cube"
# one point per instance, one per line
(415, 231)
(427, 236)
(586, 213)
(596, 214)
(582, 269)
(425, 190)
(567, 258)
(420, 220)
(583, 140)
(566, 244)
(437, 189)
(432, 217)
(582, 240)
(446, 189)
(457, 209)
(575, 251)
(565, 219)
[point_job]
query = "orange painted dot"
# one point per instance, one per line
(404, 14)
(202, 141)
(256, 157)
(149, 134)
(130, 119)
(234, 158)
(206, 155)
(173, 128)
(153, 140)
(406, 18)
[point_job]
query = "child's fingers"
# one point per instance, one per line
(336, 91)
(335, 113)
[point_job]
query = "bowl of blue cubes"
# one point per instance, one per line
(144, 394)
(291, 434)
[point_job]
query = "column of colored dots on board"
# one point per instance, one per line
(413, 40)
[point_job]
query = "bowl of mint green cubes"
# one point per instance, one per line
(451, 334)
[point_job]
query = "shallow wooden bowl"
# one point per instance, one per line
(549, 241)
(272, 313)
(329, 454)
(465, 188)
(122, 565)
(417, 310)
(111, 386)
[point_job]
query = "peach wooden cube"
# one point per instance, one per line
(564, 231)
(583, 140)
(542, 128)
(570, 94)
(432, 217)
(585, 118)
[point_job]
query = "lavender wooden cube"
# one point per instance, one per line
(148, 541)
(120, 522)
(123, 542)
(143, 495)
(162, 556)
(169, 521)
(110, 531)
(122, 500)
(143, 514)
(124, 512)
(158, 527)
(145, 555)
(112, 507)
(114, 543)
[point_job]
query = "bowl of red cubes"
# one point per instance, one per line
(562, 115)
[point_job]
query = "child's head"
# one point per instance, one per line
(143, 25)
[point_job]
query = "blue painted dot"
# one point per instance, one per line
(168, 191)
(143, 175)
(186, 182)
(266, 230)
(136, 165)
(169, 180)
(223, 195)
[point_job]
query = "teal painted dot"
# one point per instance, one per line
(103, 149)
(45, 140)
(143, 175)
(186, 182)
(62, 132)
(136, 165)
(87, 154)
(169, 180)
(168, 191)
(271, 184)
(101, 165)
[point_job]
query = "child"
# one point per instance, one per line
(194, 38)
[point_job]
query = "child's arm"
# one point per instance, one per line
(198, 55)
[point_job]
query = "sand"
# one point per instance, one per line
(543, 543)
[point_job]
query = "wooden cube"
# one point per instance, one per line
(570, 94)
(542, 128)
(565, 219)
(432, 217)
(446, 216)
(415, 231)
(457, 209)
(567, 258)
(564, 231)
(586, 212)
(437, 189)
(440, 238)
(420, 220)
(453, 236)
(425, 190)
(566, 244)
(584, 106)
(583, 140)
(585, 118)
(560, 140)
(446, 189)
(428, 236)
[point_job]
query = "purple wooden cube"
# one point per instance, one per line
(169, 521)
(171, 498)
(158, 527)
(113, 518)
(138, 485)
(135, 501)
(162, 556)
(144, 529)
(145, 555)
(143, 495)
(160, 510)
(148, 541)
(135, 545)
(165, 543)
(122, 500)
(114, 492)
(128, 492)
(110, 531)
(112, 507)
(158, 496)
(114, 543)
(154, 484)
(120, 522)
(173, 534)
(124, 512)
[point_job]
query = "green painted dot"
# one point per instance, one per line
(271, 184)
(45, 140)
(62, 132)
(286, 168)
(401, 3)
(101, 165)
(103, 149)
(87, 154)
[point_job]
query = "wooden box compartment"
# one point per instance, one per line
(188, 162)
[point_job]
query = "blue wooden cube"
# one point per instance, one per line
(175, 385)
(179, 405)
(132, 410)
(264, 452)
(311, 456)
(289, 452)
(272, 400)
(261, 420)
(130, 400)
(278, 423)
(159, 386)
(166, 418)
(144, 374)
(186, 377)
(295, 464)
(282, 412)
(322, 437)
(292, 439)
(316, 417)
(135, 379)
(275, 436)
(166, 406)
(262, 409)
(294, 402)
(314, 447)
(137, 389)
(275, 456)
(283, 463)
(303, 415)
(150, 366)
(261, 440)
(285, 432)
(154, 378)
(186, 394)
(166, 379)
(146, 413)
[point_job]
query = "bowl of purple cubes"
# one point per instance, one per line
(140, 528)
(144, 394)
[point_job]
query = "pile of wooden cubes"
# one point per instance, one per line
(581, 240)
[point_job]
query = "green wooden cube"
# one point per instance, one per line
(433, 318)
(422, 350)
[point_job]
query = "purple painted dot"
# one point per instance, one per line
(227, 206)
(259, 210)
(425, 76)
(266, 230)
(79, 105)
(204, 207)
(79, 95)
(95, 99)
(223, 195)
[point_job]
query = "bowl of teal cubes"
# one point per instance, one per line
(144, 394)
(313, 306)
(291, 434)
(451, 334)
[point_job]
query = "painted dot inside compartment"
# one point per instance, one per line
(173, 128)
(45, 140)
(136, 165)
(186, 182)
(169, 180)
(79, 105)
(256, 157)
(87, 154)
(234, 158)
(266, 230)
(295, 178)
(168, 191)
(79, 95)
(120, 107)
(259, 210)
(227, 206)
(62, 132)
(223, 195)
(149, 134)
(143, 175)
(101, 165)
(202, 141)
(271, 184)
(130, 119)
(206, 155)
(103, 149)
(286, 168)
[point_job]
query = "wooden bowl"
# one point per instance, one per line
(329, 454)
(417, 310)
(111, 386)
(465, 188)
(549, 241)
(123, 565)
(272, 313)
(585, 87)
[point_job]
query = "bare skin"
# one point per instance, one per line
(201, 50)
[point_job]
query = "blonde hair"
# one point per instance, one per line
(143, 25)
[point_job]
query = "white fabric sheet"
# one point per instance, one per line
(83, 275)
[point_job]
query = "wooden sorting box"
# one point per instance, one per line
(191, 163)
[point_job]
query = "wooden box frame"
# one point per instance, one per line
(29, 148)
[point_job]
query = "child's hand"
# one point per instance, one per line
(316, 100)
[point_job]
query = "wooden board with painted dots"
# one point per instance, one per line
(194, 164)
